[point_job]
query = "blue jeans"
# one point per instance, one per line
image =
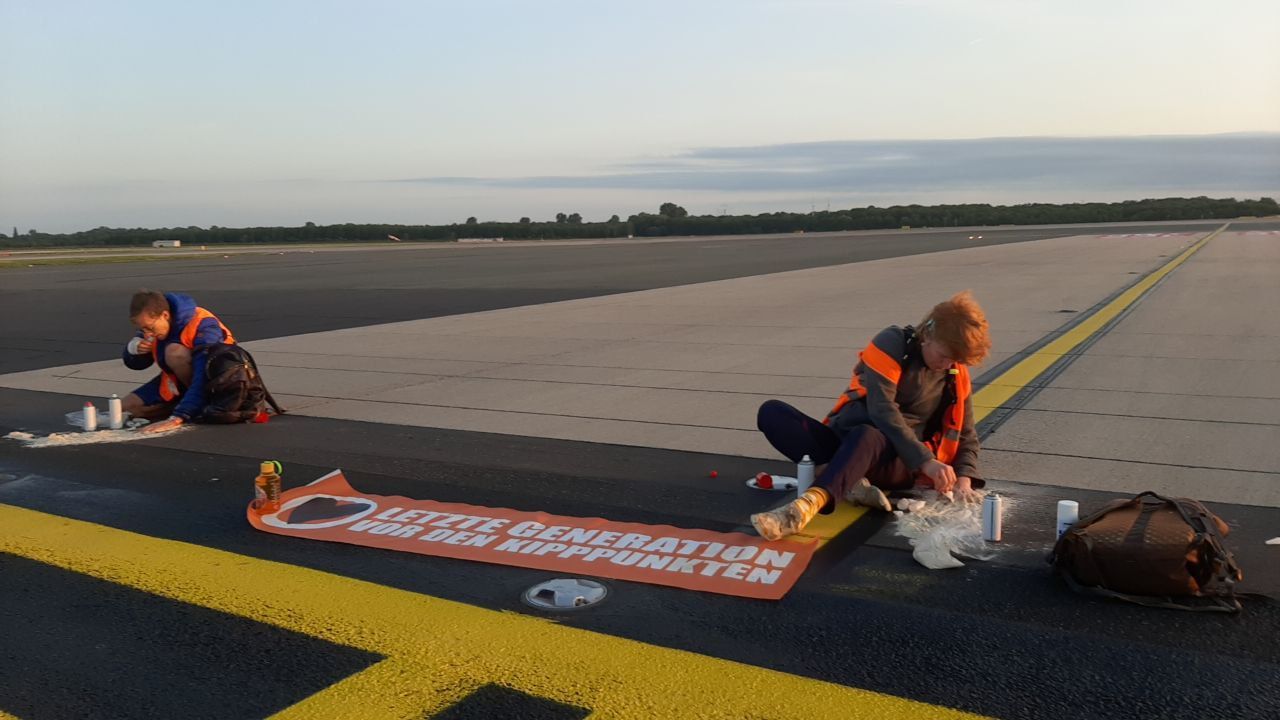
(864, 452)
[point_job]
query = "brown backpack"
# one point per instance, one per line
(1151, 550)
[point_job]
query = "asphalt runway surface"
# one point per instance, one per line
(999, 639)
(59, 315)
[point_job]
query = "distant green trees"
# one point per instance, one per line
(672, 219)
(672, 210)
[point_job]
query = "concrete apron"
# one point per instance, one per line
(685, 368)
(1181, 396)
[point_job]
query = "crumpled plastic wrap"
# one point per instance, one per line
(940, 531)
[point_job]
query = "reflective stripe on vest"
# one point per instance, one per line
(876, 359)
(169, 381)
(946, 442)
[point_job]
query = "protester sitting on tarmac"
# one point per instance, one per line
(174, 334)
(906, 417)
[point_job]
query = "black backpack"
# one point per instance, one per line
(234, 391)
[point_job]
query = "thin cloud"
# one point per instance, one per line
(1232, 161)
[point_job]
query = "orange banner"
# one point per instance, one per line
(727, 563)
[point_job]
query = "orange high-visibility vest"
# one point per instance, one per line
(945, 443)
(168, 381)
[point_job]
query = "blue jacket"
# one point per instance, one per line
(181, 309)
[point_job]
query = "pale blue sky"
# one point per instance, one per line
(233, 113)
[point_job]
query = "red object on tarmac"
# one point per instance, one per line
(764, 480)
(715, 474)
(261, 417)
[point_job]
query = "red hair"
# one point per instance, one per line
(961, 326)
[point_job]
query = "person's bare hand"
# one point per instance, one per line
(147, 343)
(965, 491)
(942, 475)
(172, 423)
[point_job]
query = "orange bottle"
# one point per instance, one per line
(266, 487)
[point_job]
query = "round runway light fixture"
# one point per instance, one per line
(565, 594)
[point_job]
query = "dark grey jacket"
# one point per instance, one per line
(902, 411)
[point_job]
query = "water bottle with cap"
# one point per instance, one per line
(266, 487)
(804, 475)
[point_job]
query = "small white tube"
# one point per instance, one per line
(1068, 514)
(90, 417)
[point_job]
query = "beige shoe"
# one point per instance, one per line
(779, 523)
(868, 495)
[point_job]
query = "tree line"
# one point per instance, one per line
(672, 219)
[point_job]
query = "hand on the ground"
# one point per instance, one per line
(965, 491)
(172, 423)
(943, 477)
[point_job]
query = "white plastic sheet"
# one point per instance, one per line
(941, 531)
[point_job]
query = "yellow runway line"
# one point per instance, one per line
(1010, 382)
(439, 651)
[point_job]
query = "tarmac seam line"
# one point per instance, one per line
(1211, 421)
(1135, 462)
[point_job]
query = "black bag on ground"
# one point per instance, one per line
(1151, 550)
(234, 391)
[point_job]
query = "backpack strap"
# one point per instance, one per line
(911, 337)
(1222, 563)
(266, 392)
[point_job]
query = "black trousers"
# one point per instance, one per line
(864, 452)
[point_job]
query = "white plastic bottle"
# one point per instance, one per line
(992, 518)
(90, 417)
(115, 412)
(1068, 514)
(804, 475)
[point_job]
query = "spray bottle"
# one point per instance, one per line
(90, 417)
(804, 475)
(266, 487)
(992, 518)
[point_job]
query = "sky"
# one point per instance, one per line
(237, 113)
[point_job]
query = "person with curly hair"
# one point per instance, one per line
(906, 419)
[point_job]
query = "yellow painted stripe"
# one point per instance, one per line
(1010, 382)
(825, 527)
(1013, 380)
(438, 651)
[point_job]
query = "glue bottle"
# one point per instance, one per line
(266, 487)
(90, 417)
(804, 475)
(115, 412)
